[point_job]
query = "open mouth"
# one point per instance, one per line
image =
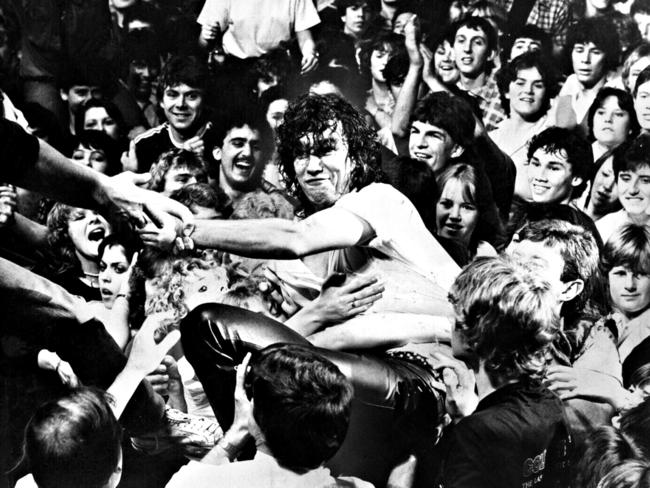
(97, 234)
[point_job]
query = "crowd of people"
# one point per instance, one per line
(316, 243)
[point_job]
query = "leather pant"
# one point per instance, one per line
(216, 337)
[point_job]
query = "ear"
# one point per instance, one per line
(457, 151)
(571, 289)
(577, 181)
(492, 55)
(216, 153)
(64, 95)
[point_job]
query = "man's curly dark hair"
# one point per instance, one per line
(312, 115)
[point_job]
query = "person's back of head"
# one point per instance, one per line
(506, 318)
(74, 441)
(632, 473)
(634, 424)
(606, 448)
(301, 403)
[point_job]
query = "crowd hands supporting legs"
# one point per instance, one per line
(234, 240)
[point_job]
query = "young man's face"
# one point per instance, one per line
(323, 170)
(142, 74)
(355, 19)
(588, 63)
(643, 23)
(642, 106)
(179, 176)
(183, 106)
(77, 95)
(550, 176)
(630, 291)
(445, 64)
(526, 93)
(242, 161)
(523, 45)
(471, 51)
(634, 190)
(430, 144)
(378, 59)
(635, 70)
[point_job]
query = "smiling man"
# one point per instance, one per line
(475, 47)
(182, 85)
(560, 165)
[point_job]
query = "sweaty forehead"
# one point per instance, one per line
(333, 135)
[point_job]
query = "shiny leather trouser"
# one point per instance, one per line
(216, 337)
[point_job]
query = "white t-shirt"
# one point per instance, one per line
(254, 27)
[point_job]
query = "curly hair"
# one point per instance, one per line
(262, 205)
(602, 32)
(167, 288)
(312, 115)
(507, 317)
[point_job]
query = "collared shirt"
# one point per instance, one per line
(552, 16)
(489, 101)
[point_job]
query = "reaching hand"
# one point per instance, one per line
(67, 375)
(210, 32)
(412, 41)
(146, 355)
(8, 200)
(309, 62)
(461, 399)
(342, 297)
(243, 406)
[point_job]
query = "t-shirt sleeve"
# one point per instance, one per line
(214, 11)
(400, 232)
(18, 150)
(306, 15)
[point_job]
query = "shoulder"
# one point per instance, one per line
(153, 133)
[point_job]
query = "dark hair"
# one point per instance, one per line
(95, 139)
(640, 7)
(343, 5)
(606, 448)
(580, 156)
(126, 241)
(629, 246)
(528, 31)
(378, 43)
(397, 67)
(602, 32)
(311, 115)
(447, 112)
(183, 69)
(625, 102)
(73, 441)
(240, 115)
(507, 316)
(111, 109)
(477, 23)
(631, 473)
(509, 73)
(644, 77)
(173, 159)
(301, 404)
(636, 156)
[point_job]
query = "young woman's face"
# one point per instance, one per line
(456, 218)
(611, 124)
(444, 63)
(634, 190)
(97, 118)
(378, 60)
(630, 291)
(205, 286)
(604, 192)
(113, 265)
(526, 93)
(88, 156)
(86, 230)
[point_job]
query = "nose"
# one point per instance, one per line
(420, 140)
(630, 282)
(246, 150)
(528, 88)
(454, 213)
(191, 180)
(105, 277)
(608, 117)
(466, 47)
(314, 164)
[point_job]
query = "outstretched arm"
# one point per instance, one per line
(333, 228)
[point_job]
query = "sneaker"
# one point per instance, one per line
(192, 434)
